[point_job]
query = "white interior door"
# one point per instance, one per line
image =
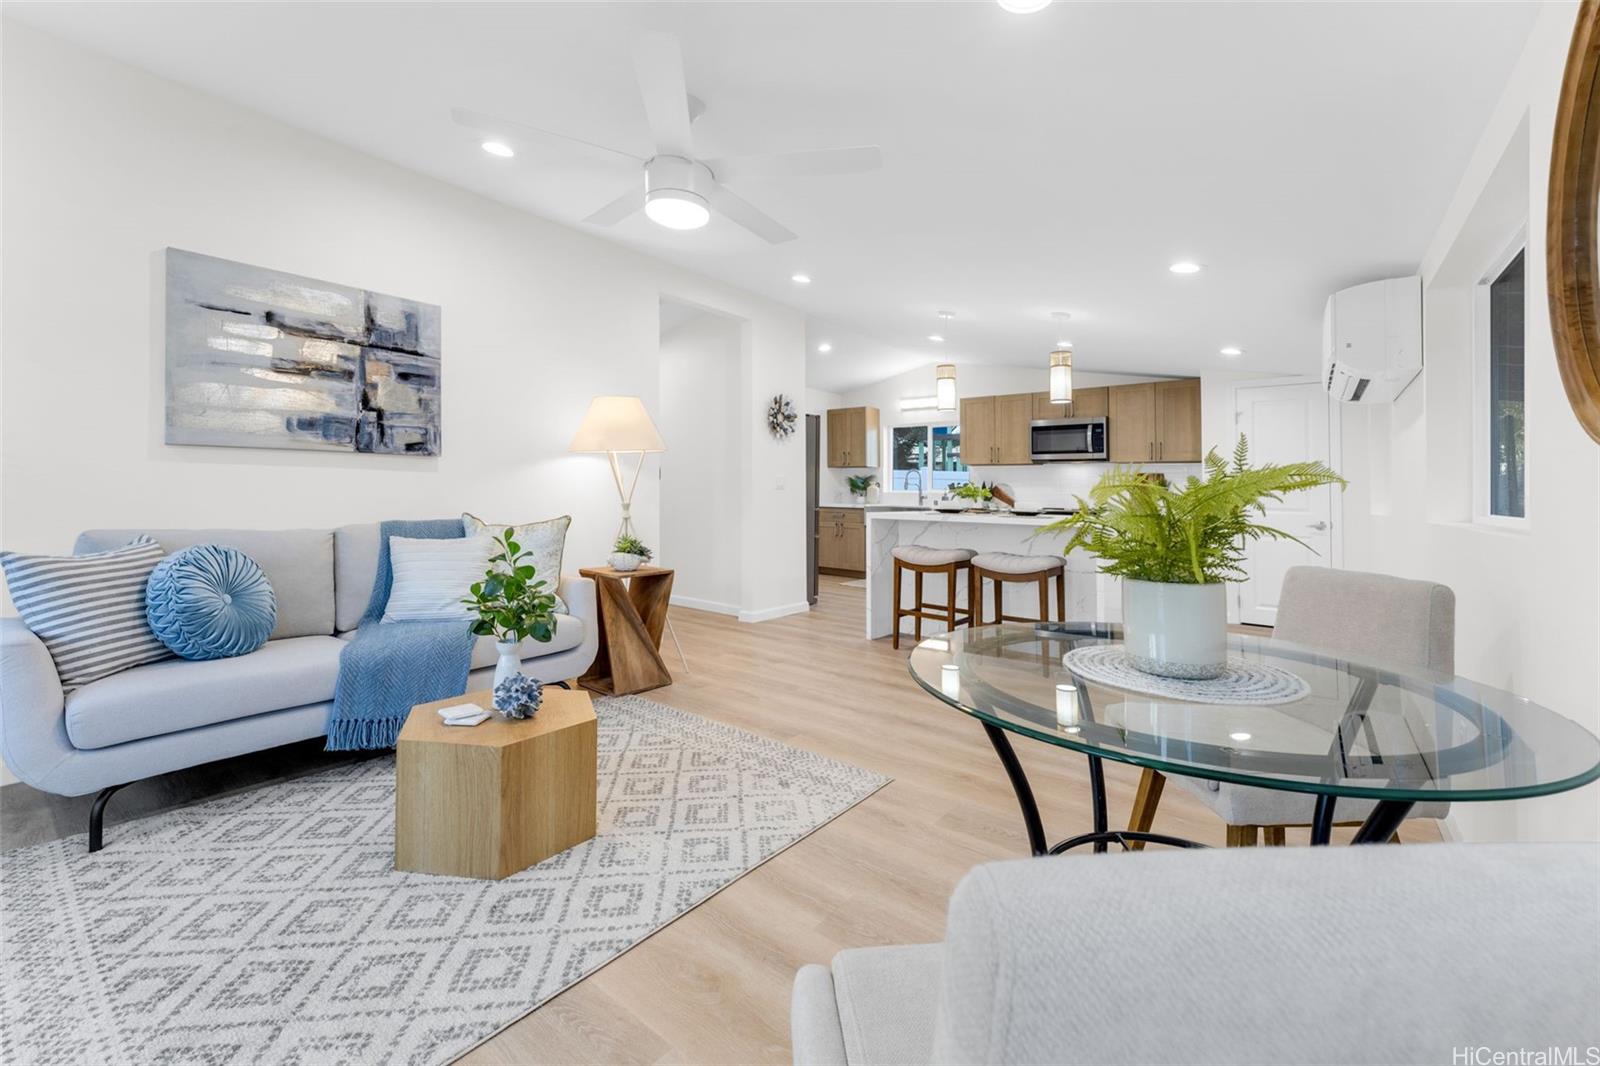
(1286, 424)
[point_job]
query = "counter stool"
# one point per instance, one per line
(1003, 567)
(920, 560)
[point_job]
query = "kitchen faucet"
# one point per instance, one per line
(918, 474)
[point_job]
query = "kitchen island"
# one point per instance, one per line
(1090, 595)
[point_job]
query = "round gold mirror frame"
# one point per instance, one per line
(1572, 237)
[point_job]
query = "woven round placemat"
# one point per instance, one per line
(1244, 682)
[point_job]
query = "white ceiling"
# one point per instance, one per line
(1032, 163)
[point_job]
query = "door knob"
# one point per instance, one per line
(1319, 526)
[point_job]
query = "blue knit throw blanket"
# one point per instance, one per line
(390, 667)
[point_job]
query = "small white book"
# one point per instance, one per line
(462, 710)
(469, 720)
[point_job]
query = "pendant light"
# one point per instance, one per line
(944, 374)
(1061, 365)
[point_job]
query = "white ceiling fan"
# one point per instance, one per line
(680, 190)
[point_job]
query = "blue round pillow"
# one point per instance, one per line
(210, 602)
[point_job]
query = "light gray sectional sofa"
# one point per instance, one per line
(1374, 954)
(176, 713)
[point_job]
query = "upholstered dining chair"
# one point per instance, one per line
(1345, 612)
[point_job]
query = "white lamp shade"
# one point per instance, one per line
(617, 424)
(1061, 375)
(945, 384)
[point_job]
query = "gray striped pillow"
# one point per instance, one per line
(88, 609)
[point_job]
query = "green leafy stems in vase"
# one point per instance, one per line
(512, 602)
(860, 485)
(1175, 547)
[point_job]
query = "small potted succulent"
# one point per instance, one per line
(860, 485)
(629, 553)
(1176, 548)
(511, 603)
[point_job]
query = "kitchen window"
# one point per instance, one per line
(1501, 316)
(933, 451)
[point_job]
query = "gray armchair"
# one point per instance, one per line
(1371, 617)
(1340, 955)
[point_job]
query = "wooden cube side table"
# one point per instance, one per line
(633, 614)
(494, 798)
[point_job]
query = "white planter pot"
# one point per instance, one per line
(625, 561)
(509, 664)
(1176, 630)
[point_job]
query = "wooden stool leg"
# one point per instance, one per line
(1241, 836)
(950, 602)
(1044, 599)
(1143, 815)
(1061, 594)
(1273, 836)
(917, 618)
(898, 613)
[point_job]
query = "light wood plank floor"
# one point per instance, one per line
(714, 985)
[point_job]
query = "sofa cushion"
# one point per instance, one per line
(355, 568)
(298, 563)
(179, 694)
(888, 997)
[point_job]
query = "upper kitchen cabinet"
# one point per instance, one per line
(1155, 422)
(1085, 403)
(994, 430)
(853, 436)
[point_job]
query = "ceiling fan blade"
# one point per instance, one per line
(798, 164)
(617, 209)
(736, 209)
(658, 64)
(500, 127)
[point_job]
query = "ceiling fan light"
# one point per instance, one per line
(677, 208)
(1061, 375)
(1024, 7)
(944, 380)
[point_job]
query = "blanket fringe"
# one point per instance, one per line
(364, 734)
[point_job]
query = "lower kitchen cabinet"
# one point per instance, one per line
(842, 540)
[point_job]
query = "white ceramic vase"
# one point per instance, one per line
(1176, 630)
(625, 561)
(509, 664)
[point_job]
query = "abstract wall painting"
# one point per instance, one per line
(261, 359)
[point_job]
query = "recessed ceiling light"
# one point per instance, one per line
(800, 279)
(935, 338)
(1232, 351)
(676, 208)
(1183, 266)
(1238, 736)
(1024, 7)
(498, 148)
(824, 347)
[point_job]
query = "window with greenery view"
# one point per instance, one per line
(935, 451)
(1507, 461)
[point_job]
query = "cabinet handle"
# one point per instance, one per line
(1152, 451)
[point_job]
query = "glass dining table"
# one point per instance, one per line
(1373, 731)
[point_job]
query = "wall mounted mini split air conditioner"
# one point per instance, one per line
(1372, 340)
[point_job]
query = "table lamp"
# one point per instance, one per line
(615, 426)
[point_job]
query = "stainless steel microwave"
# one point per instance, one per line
(1056, 440)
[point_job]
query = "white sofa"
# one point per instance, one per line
(1371, 954)
(173, 714)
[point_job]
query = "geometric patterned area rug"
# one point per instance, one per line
(271, 926)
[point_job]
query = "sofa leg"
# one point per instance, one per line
(97, 817)
(562, 684)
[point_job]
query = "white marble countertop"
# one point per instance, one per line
(976, 519)
(869, 506)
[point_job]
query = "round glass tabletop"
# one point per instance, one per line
(1368, 730)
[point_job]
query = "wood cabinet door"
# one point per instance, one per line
(852, 548)
(1013, 438)
(1131, 423)
(1178, 421)
(977, 431)
(864, 443)
(1045, 410)
(1090, 403)
(838, 437)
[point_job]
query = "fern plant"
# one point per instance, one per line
(1142, 529)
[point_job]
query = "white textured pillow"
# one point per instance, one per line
(545, 542)
(432, 576)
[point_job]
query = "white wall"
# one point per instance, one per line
(1048, 484)
(701, 492)
(1527, 602)
(105, 165)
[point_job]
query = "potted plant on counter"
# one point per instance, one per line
(1175, 549)
(860, 485)
(629, 553)
(511, 603)
(975, 493)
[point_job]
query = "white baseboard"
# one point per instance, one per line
(1450, 830)
(695, 604)
(770, 613)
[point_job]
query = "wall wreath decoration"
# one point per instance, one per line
(781, 417)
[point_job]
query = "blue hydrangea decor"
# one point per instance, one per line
(518, 696)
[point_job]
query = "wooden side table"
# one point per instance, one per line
(494, 798)
(633, 613)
